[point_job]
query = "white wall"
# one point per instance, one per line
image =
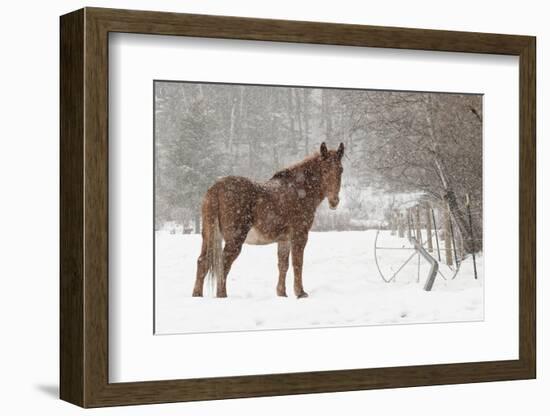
(29, 209)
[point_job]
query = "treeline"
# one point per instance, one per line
(396, 143)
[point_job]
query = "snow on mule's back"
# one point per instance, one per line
(339, 274)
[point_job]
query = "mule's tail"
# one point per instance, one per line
(211, 219)
(215, 273)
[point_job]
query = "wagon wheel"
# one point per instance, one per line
(406, 246)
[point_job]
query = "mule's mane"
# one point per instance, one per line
(297, 167)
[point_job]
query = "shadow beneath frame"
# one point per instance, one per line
(51, 390)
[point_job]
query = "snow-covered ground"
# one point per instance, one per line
(340, 276)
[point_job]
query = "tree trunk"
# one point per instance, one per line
(326, 116)
(429, 228)
(306, 122)
(409, 224)
(400, 226)
(197, 222)
(418, 227)
(291, 115)
(276, 163)
(470, 244)
(232, 124)
(449, 196)
(447, 234)
(299, 114)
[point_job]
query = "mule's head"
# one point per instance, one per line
(331, 173)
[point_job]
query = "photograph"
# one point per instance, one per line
(303, 205)
(293, 207)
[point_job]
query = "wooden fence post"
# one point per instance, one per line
(471, 233)
(436, 235)
(461, 247)
(400, 225)
(409, 223)
(418, 228)
(447, 236)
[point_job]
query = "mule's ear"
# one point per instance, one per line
(324, 150)
(340, 151)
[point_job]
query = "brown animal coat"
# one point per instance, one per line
(280, 210)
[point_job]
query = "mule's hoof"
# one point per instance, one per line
(281, 294)
(302, 295)
(221, 295)
(197, 294)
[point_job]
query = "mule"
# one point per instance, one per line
(238, 210)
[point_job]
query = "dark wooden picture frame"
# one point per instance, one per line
(84, 207)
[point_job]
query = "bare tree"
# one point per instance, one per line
(396, 142)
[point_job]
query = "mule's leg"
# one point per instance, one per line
(297, 244)
(283, 251)
(231, 251)
(202, 268)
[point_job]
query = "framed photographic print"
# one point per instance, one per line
(255, 207)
